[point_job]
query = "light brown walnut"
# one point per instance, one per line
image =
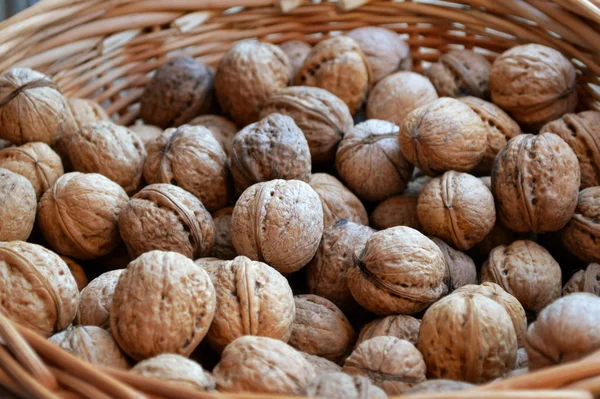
(96, 299)
(339, 385)
(223, 248)
(400, 210)
(321, 365)
(87, 111)
(146, 133)
(296, 50)
(77, 272)
(18, 210)
(460, 268)
(439, 385)
(210, 265)
(460, 73)
(338, 201)
(581, 234)
(176, 369)
(399, 326)
(221, 128)
(587, 280)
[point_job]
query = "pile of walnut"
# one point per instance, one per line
(248, 234)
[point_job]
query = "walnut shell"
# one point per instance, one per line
(460, 268)
(77, 272)
(398, 271)
(191, 158)
(273, 148)
(565, 331)
(370, 161)
(37, 289)
(163, 303)
(458, 208)
(384, 49)
(323, 118)
(534, 83)
(296, 50)
(587, 280)
(581, 233)
(525, 270)
(338, 65)
(279, 222)
(338, 202)
(181, 89)
(535, 181)
(439, 385)
(166, 217)
(478, 342)
(399, 326)
(390, 363)
(176, 369)
(400, 210)
(92, 344)
(210, 265)
(395, 96)
(96, 299)
(443, 135)
(252, 299)
(339, 385)
(87, 111)
(146, 133)
(18, 209)
(419, 180)
(262, 365)
(461, 73)
(221, 128)
(78, 215)
(321, 365)
(247, 76)
(223, 248)
(522, 361)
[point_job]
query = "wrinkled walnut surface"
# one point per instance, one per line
(580, 235)
(400, 326)
(461, 73)
(460, 268)
(95, 300)
(17, 206)
(223, 248)
(400, 210)
(339, 385)
(177, 370)
(321, 365)
(87, 111)
(296, 50)
(587, 280)
(338, 201)
(221, 128)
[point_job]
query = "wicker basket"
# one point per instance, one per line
(105, 50)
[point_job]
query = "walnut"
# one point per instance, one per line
(36, 161)
(146, 133)
(395, 96)
(262, 365)
(252, 299)
(163, 303)
(32, 108)
(96, 299)
(384, 49)
(458, 208)
(296, 50)
(36, 290)
(443, 135)
(328, 269)
(338, 202)
(87, 111)
(210, 265)
(78, 215)
(339, 385)
(535, 181)
(92, 344)
(398, 271)
(587, 280)
(112, 151)
(534, 83)
(525, 270)
(77, 272)
(500, 129)
(400, 210)
(439, 385)
(565, 331)
(390, 363)
(399, 326)
(247, 76)
(18, 209)
(522, 361)
(321, 365)
(581, 233)
(461, 73)
(166, 217)
(279, 222)
(338, 65)
(460, 268)
(419, 180)
(323, 118)
(479, 342)
(223, 248)
(370, 161)
(221, 128)
(180, 90)
(176, 369)
(191, 158)
(499, 235)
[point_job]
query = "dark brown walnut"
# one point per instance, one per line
(252, 299)
(321, 365)
(500, 129)
(460, 73)
(191, 158)
(32, 108)
(467, 337)
(117, 259)
(458, 208)
(247, 76)
(112, 151)
(92, 344)
(400, 326)
(166, 217)
(339, 385)
(95, 300)
(181, 89)
(327, 272)
(400, 210)
(87, 111)
(338, 202)
(36, 161)
(394, 97)
(279, 222)
(163, 303)
(273, 148)
(223, 248)
(221, 128)
(587, 280)
(580, 235)
(320, 328)
(146, 133)
(398, 271)
(296, 50)
(78, 215)
(37, 289)
(262, 365)
(338, 65)
(535, 181)
(323, 118)
(384, 49)
(176, 369)
(534, 83)
(443, 135)
(390, 363)
(565, 331)
(439, 385)
(460, 268)
(527, 271)
(77, 272)
(370, 161)
(18, 209)
(522, 361)
(499, 235)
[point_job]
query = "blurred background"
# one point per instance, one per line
(11, 7)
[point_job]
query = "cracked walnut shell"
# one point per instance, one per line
(587, 280)
(95, 300)
(176, 369)
(223, 248)
(580, 235)
(18, 209)
(338, 202)
(400, 210)
(222, 129)
(461, 73)
(338, 385)
(399, 326)
(460, 268)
